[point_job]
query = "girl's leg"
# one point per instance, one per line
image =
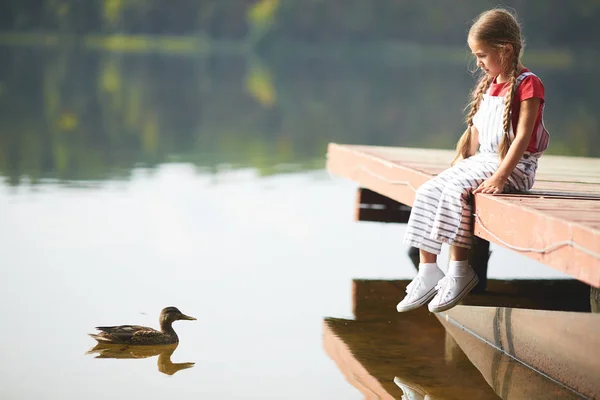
(452, 222)
(422, 288)
(422, 216)
(459, 261)
(459, 253)
(453, 225)
(427, 257)
(460, 279)
(439, 214)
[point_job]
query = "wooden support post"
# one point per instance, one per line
(595, 299)
(478, 258)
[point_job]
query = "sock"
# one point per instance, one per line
(458, 268)
(429, 270)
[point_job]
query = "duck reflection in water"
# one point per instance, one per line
(164, 352)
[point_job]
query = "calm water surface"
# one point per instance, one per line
(126, 189)
(258, 261)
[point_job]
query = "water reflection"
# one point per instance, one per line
(508, 378)
(389, 355)
(88, 118)
(164, 353)
(70, 114)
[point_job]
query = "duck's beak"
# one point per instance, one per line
(186, 317)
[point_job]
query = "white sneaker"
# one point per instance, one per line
(410, 392)
(420, 291)
(451, 290)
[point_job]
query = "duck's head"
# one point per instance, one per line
(171, 314)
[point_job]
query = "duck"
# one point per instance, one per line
(142, 335)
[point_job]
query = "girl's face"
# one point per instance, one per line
(488, 57)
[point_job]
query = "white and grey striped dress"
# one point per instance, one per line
(442, 211)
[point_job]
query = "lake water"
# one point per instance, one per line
(135, 182)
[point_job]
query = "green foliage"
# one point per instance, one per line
(99, 115)
(547, 23)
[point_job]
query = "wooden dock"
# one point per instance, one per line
(556, 223)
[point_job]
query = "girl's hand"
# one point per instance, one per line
(492, 185)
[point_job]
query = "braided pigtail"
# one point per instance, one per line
(463, 147)
(505, 142)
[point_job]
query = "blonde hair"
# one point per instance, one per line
(497, 28)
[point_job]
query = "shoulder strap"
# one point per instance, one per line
(523, 76)
(520, 79)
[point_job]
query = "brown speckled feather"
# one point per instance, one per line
(132, 334)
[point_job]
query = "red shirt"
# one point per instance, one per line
(530, 87)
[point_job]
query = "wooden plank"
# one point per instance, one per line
(511, 223)
(375, 173)
(527, 224)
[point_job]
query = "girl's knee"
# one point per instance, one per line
(452, 187)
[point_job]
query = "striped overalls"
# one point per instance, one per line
(442, 211)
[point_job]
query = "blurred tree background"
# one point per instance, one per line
(550, 23)
(91, 89)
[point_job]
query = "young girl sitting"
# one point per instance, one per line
(505, 123)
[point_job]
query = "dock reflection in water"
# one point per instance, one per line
(164, 353)
(387, 355)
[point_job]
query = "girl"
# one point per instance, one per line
(505, 123)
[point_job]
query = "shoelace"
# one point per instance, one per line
(414, 284)
(444, 282)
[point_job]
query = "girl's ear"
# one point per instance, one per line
(506, 54)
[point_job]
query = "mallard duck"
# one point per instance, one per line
(142, 335)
